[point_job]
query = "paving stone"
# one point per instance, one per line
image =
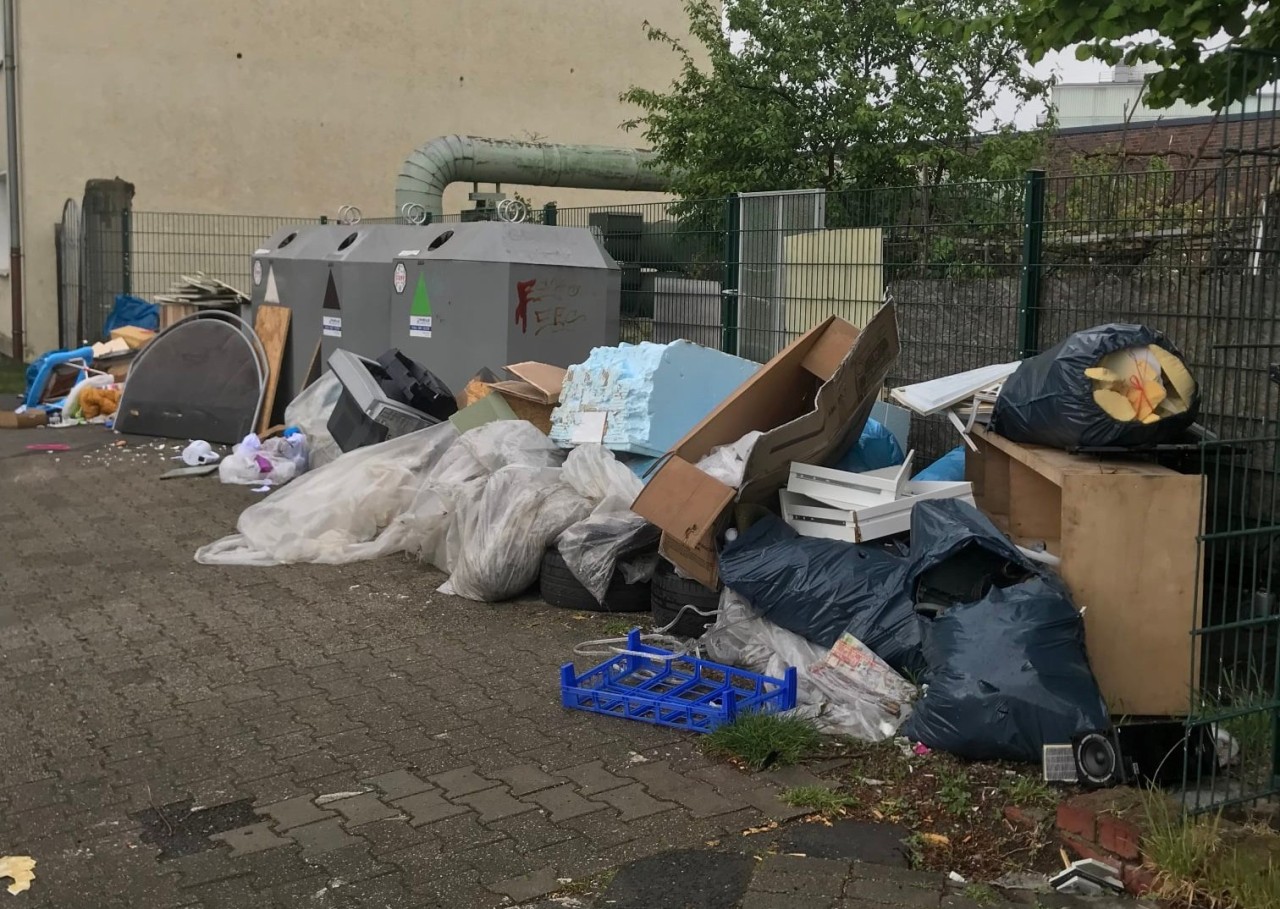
(321, 837)
(428, 807)
(814, 877)
(526, 778)
(495, 804)
(700, 798)
(399, 783)
(528, 886)
(251, 839)
(738, 786)
(294, 812)
(633, 802)
(592, 778)
(363, 809)
(461, 781)
(894, 893)
(563, 803)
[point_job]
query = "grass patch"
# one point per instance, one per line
(1028, 792)
(981, 894)
(618, 628)
(1199, 862)
(761, 740)
(1252, 730)
(819, 798)
(953, 790)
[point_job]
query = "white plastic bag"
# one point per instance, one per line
(728, 463)
(310, 412)
(591, 547)
(251, 463)
(868, 704)
(342, 512)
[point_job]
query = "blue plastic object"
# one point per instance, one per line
(949, 468)
(876, 449)
(131, 311)
(652, 685)
(43, 366)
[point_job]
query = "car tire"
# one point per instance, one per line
(560, 588)
(671, 593)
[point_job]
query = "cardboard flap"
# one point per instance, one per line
(830, 349)
(538, 382)
(685, 502)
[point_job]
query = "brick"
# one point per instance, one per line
(528, 886)
(698, 797)
(1138, 879)
(495, 804)
(1077, 818)
(562, 803)
(363, 809)
(399, 783)
(633, 802)
(526, 778)
(1119, 837)
(1029, 819)
(294, 812)
(251, 839)
(462, 781)
(592, 778)
(427, 808)
(322, 836)
(1085, 849)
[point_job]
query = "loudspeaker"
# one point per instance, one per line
(1099, 760)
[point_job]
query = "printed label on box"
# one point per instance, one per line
(420, 326)
(332, 326)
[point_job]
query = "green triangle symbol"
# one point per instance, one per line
(421, 302)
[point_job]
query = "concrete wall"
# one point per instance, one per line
(295, 107)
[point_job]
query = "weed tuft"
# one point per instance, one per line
(819, 799)
(763, 740)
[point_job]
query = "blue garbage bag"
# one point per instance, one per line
(131, 311)
(947, 469)
(876, 449)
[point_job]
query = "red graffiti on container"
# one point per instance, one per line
(525, 296)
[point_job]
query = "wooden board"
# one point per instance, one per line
(1129, 556)
(272, 327)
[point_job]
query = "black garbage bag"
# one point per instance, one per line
(813, 587)
(1049, 400)
(957, 556)
(409, 382)
(1007, 675)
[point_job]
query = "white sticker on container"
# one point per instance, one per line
(262, 252)
(257, 272)
(420, 326)
(332, 326)
(409, 253)
(401, 278)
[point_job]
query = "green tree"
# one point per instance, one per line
(1193, 70)
(834, 94)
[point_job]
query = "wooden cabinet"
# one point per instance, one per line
(1126, 532)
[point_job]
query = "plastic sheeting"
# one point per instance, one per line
(876, 449)
(310, 411)
(864, 699)
(1008, 675)
(1049, 400)
(947, 469)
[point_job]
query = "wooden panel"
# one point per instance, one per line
(988, 470)
(1035, 505)
(1054, 464)
(272, 327)
(1129, 557)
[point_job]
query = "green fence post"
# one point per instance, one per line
(126, 244)
(549, 214)
(729, 281)
(1032, 248)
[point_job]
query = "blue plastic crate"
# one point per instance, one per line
(669, 690)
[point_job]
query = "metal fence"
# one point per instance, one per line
(980, 273)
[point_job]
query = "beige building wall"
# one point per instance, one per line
(295, 107)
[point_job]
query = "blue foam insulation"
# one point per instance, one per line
(652, 394)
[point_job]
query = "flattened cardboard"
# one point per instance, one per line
(28, 419)
(537, 382)
(809, 411)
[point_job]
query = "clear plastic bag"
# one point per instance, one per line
(342, 512)
(728, 463)
(310, 412)
(253, 462)
(868, 704)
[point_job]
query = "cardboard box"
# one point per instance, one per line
(533, 393)
(28, 419)
(810, 401)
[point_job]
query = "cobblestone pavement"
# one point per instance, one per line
(181, 735)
